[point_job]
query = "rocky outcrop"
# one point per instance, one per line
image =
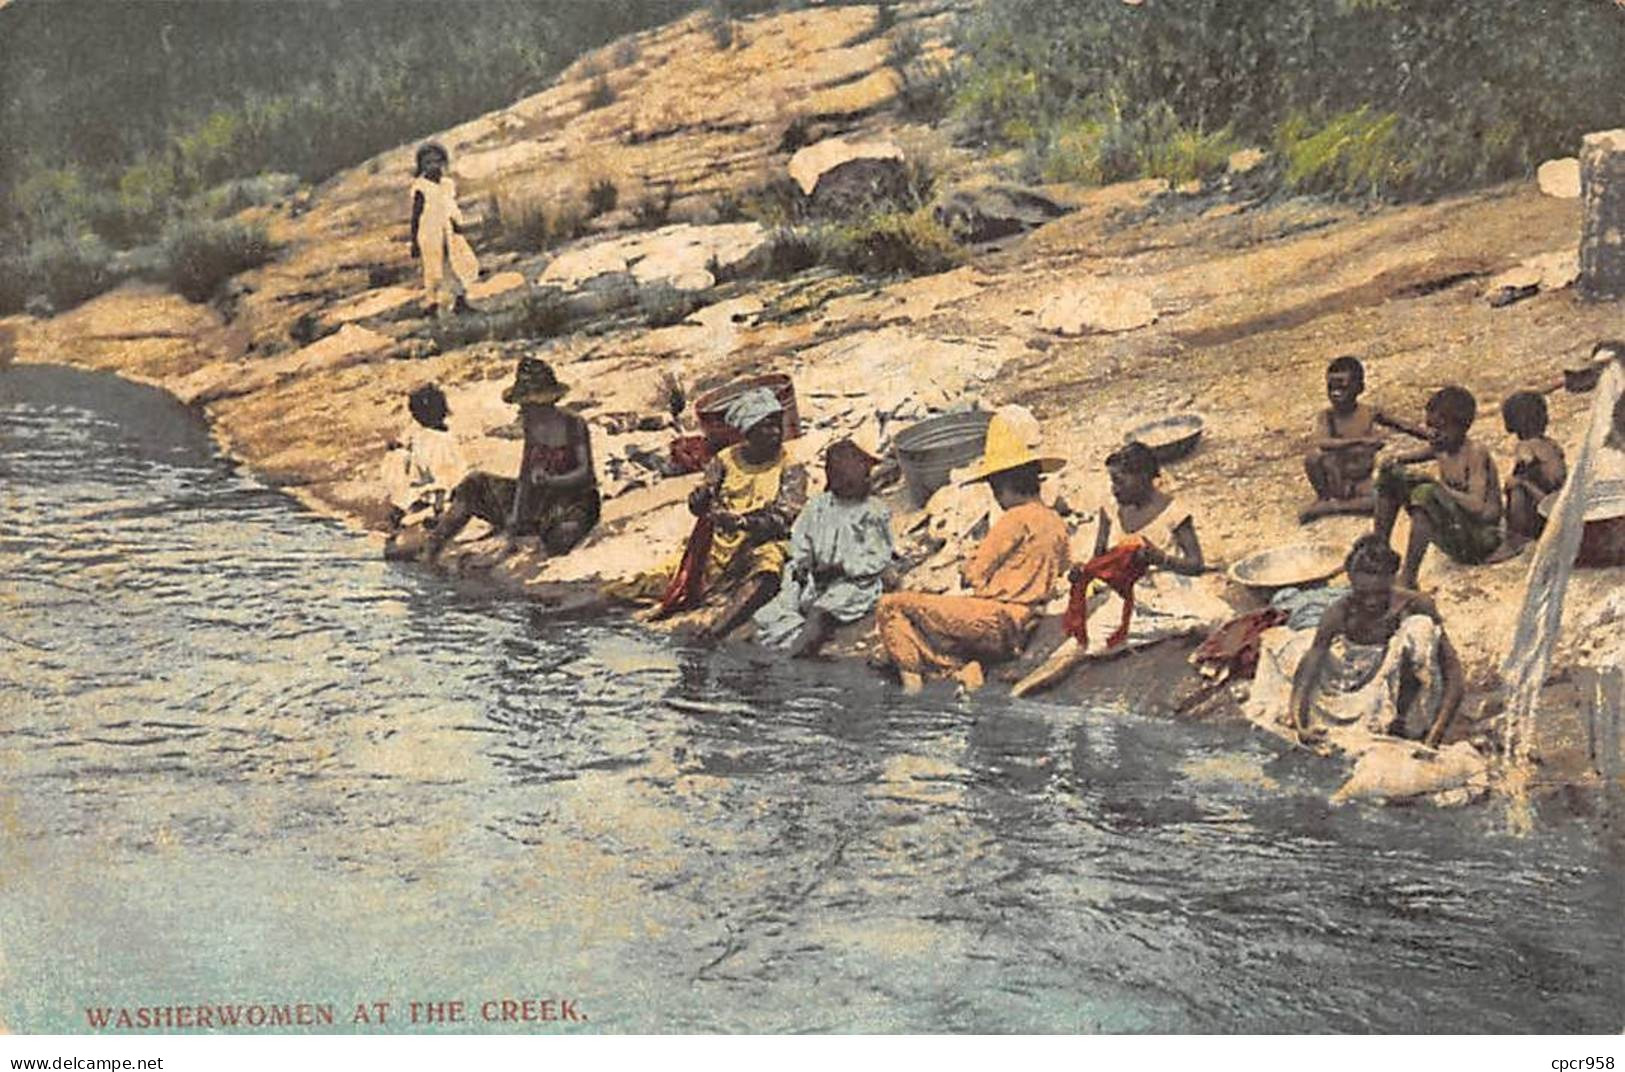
(1000, 210)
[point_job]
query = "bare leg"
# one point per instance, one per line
(814, 635)
(1523, 519)
(1387, 512)
(561, 538)
(752, 597)
(1421, 536)
(1315, 467)
(478, 495)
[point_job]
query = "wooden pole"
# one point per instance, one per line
(1602, 227)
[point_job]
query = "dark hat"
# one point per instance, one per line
(534, 381)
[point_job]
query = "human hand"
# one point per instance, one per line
(416, 252)
(825, 574)
(699, 501)
(1075, 575)
(727, 521)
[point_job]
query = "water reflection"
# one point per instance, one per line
(246, 759)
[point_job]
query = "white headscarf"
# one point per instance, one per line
(752, 408)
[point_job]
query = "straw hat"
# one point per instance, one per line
(535, 381)
(1009, 446)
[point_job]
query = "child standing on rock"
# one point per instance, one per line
(437, 231)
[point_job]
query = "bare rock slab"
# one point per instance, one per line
(1096, 307)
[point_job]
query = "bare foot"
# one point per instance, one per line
(912, 683)
(1511, 547)
(970, 676)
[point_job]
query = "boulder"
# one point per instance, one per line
(574, 267)
(840, 176)
(1547, 271)
(987, 213)
(1560, 178)
(496, 285)
(1096, 306)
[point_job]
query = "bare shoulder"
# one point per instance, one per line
(1547, 450)
(1334, 622)
(1408, 602)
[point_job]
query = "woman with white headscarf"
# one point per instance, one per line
(744, 507)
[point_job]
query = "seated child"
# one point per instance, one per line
(1143, 509)
(1144, 536)
(554, 496)
(1459, 508)
(1346, 442)
(840, 548)
(420, 472)
(1011, 575)
(1380, 662)
(1538, 468)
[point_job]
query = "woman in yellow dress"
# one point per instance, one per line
(744, 507)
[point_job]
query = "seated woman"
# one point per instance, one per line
(556, 494)
(1379, 664)
(749, 497)
(1146, 569)
(840, 549)
(1011, 576)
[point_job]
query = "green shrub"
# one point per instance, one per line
(654, 209)
(925, 92)
(791, 252)
(600, 95)
(525, 222)
(893, 243)
(1356, 153)
(663, 305)
(541, 314)
(602, 197)
(1373, 98)
(68, 271)
(198, 257)
(719, 24)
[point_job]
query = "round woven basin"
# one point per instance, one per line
(1170, 438)
(1289, 566)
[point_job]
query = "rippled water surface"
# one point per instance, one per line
(243, 760)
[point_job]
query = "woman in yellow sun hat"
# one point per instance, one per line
(1011, 575)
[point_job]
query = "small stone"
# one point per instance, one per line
(1560, 178)
(1243, 161)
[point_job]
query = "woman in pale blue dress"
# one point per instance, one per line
(840, 549)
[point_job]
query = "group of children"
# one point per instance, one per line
(1461, 508)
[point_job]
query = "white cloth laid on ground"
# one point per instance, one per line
(439, 246)
(830, 531)
(419, 476)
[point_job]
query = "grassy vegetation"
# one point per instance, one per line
(539, 315)
(119, 119)
(526, 221)
(198, 257)
(1357, 98)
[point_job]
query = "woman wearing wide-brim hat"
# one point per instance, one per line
(555, 496)
(1011, 575)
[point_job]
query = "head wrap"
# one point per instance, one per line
(752, 408)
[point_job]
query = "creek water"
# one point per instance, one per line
(242, 760)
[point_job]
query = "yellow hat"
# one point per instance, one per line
(1009, 446)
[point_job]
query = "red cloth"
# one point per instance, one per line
(1235, 644)
(687, 585)
(1119, 569)
(690, 453)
